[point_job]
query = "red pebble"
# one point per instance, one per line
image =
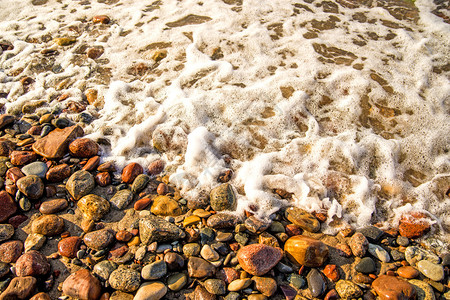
(131, 171)
(332, 272)
(292, 230)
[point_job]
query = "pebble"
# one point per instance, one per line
(41, 296)
(32, 263)
(6, 232)
(80, 184)
(124, 236)
(37, 168)
(55, 144)
(20, 158)
(82, 285)
(83, 147)
(48, 225)
(332, 295)
(408, 272)
(156, 167)
(402, 241)
(31, 186)
(154, 270)
(99, 239)
(302, 218)
(121, 199)
(92, 163)
(372, 233)
(191, 249)
(34, 241)
(165, 206)
(200, 293)
(303, 250)
(131, 171)
(104, 269)
(93, 207)
(390, 287)
(397, 255)
(256, 297)
(332, 272)
(14, 174)
(423, 290)
(215, 286)
(156, 229)
(359, 244)
(53, 206)
(162, 189)
(125, 280)
(101, 19)
(414, 225)
(69, 246)
(140, 183)
(93, 53)
(10, 251)
(209, 253)
(8, 206)
(267, 286)
(431, 270)
(151, 291)
(348, 290)
(413, 254)
(222, 221)
(258, 259)
(191, 220)
(58, 173)
(316, 284)
(199, 268)
(174, 261)
(20, 288)
(223, 198)
(177, 281)
(64, 41)
(378, 252)
(239, 284)
(366, 266)
(296, 280)
(255, 225)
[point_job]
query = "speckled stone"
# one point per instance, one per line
(258, 259)
(6, 232)
(359, 244)
(99, 239)
(223, 198)
(424, 290)
(266, 285)
(121, 199)
(80, 184)
(348, 290)
(431, 270)
(93, 207)
(10, 251)
(151, 291)
(32, 263)
(104, 269)
(31, 186)
(48, 225)
(156, 229)
(125, 280)
(303, 219)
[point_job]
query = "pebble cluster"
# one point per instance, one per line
(72, 227)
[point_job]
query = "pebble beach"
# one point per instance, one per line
(225, 150)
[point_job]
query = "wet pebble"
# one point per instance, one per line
(348, 290)
(359, 244)
(378, 252)
(177, 281)
(82, 285)
(199, 268)
(48, 225)
(151, 291)
(93, 207)
(131, 171)
(215, 286)
(69, 246)
(104, 269)
(302, 218)
(99, 239)
(366, 266)
(80, 184)
(121, 199)
(10, 251)
(223, 198)
(265, 285)
(36, 168)
(408, 272)
(53, 206)
(32, 263)
(258, 259)
(316, 284)
(31, 186)
(6, 232)
(431, 270)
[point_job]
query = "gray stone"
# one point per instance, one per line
(378, 252)
(402, 241)
(215, 286)
(104, 269)
(191, 249)
(223, 198)
(413, 254)
(121, 199)
(372, 233)
(6, 232)
(156, 229)
(37, 168)
(366, 266)
(316, 284)
(140, 183)
(431, 270)
(80, 184)
(154, 270)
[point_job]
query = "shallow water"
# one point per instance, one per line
(343, 104)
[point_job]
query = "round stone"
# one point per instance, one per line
(125, 280)
(80, 184)
(191, 249)
(58, 173)
(408, 272)
(104, 269)
(348, 290)
(140, 183)
(302, 218)
(131, 171)
(267, 286)
(223, 198)
(48, 225)
(431, 270)
(366, 266)
(209, 253)
(215, 286)
(69, 246)
(303, 250)
(151, 291)
(99, 239)
(53, 206)
(93, 207)
(390, 287)
(32, 263)
(316, 284)
(37, 168)
(165, 206)
(239, 284)
(83, 147)
(6, 232)
(31, 186)
(154, 270)
(177, 281)
(359, 244)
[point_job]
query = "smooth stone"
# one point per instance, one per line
(31, 186)
(303, 219)
(4, 269)
(431, 270)
(207, 235)
(201, 213)
(10, 251)
(124, 236)
(118, 295)
(348, 290)
(156, 229)
(37, 168)
(34, 241)
(223, 198)
(125, 280)
(19, 288)
(397, 255)
(58, 173)
(20, 158)
(288, 291)
(131, 171)
(332, 272)
(140, 183)
(32, 263)
(215, 286)
(104, 269)
(408, 272)
(366, 266)
(303, 250)
(209, 253)
(359, 244)
(224, 236)
(372, 233)
(413, 254)
(296, 280)
(239, 284)
(258, 259)
(48, 225)
(191, 249)
(165, 206)
(378, 252)
(423, 290)
(83, 147)
(191, 220)
(154, 270)
(56, 143)
(402, 241)
(80, 184)
(222, 221)
(199, 268)
(53, 206)
(99, 239)
(200, 293)
(267, 286)
(255, 225)
(316, 284)
(151, 291)
(8, 206)
(6, 232)
(41, 296)
(174, 261)
(121, 199)
(392, 288)
(93, 207)
(177, 281)
(69, 246)
(82, 285)
(256, 297)
(445, 259)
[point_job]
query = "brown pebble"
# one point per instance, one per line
(142, 203)
(123, 236)
(58, 173)
(20, 158)
(103, 19)
(162, 189)
(131, 171)
(14, 174)
(92, 163)
(94, 53)
(107, 167)
(83, 147)
(103, 179)
(156, 167)
(292, 230)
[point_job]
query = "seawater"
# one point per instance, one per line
(342, 104)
